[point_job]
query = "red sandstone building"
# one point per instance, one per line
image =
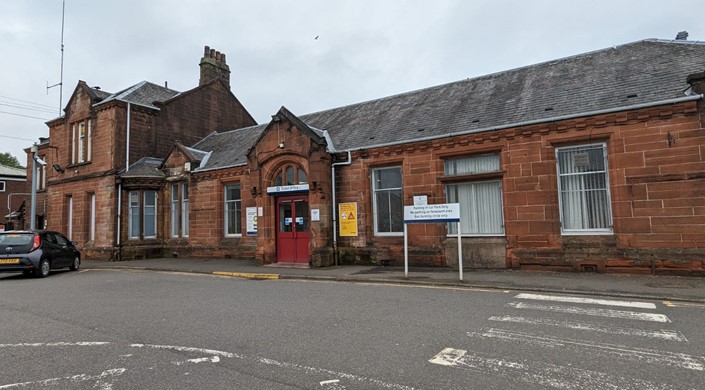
(591, 162)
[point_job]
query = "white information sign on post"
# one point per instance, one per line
(432, 213)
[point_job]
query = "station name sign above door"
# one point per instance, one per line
(292, 189)
(444, 212)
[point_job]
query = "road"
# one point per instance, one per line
(107, 329)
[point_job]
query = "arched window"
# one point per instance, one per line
(290, 175)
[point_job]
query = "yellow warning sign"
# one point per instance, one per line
(347, 220)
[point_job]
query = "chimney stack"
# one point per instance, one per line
(213, 66)
(682, 36)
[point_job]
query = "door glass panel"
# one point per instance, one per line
(285, 217)
(301, 216)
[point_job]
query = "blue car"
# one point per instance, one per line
(37, 252)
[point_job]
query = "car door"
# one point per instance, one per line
(64, 250)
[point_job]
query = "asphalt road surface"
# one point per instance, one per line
(105, 329)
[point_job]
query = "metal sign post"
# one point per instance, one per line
(431, 213)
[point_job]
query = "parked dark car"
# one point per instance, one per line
(36, 252)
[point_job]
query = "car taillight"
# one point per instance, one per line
(35, 244)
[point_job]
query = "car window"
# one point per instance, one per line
(61, 240)
(7, 239)
(50, 238)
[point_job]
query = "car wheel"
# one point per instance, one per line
(43, 270)
(76, 264)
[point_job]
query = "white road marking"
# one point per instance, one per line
(73, 379)
(590, 301)
(662, 334)
(550, 375)
(308, 370)
(630, 315)
(209, 359)
(57, 344)
(448, 357)
(215, 358)
(333, 384)
(189, 349)
(683, 304)
(656, 357)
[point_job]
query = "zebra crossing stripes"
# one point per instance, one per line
(662, 334)
(592, 301)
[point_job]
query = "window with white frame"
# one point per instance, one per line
(2, 186)
(81, 135)
(480, 200)
(142, 221)
(179, 210)
(387, 202)
(583, 187)
(233, 210)
(91, 217)
(41, 175)
(150, 214)
(69, 217)
(174, 208)
(184, 210)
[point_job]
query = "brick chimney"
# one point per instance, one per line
(213, 66)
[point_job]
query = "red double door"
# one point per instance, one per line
(293, 232)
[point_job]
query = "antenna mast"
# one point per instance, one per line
(60, 84)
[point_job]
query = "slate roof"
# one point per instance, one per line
(6, 171)
(145, 167)
(646, 72)
(143, 94)
(229, 148)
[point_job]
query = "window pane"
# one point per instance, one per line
(174, 208)
(584, 190)
(185, 211)
(480, 207)
(278, 179)
(290, 176)
(285, 217)
(302, 216)
(470, 165)
(134, 215)
(150, 214)
(302, 177)
(383, 213)
(233, 219)
(387, 178)
(389, 205)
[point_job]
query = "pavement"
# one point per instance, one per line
(636, 286)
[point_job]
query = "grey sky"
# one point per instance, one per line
(366, 49)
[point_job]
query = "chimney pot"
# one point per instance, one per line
(212, 53)
(206, 51)
(217, 56)
(223, 57)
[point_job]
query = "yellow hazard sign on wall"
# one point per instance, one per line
(347, 218)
